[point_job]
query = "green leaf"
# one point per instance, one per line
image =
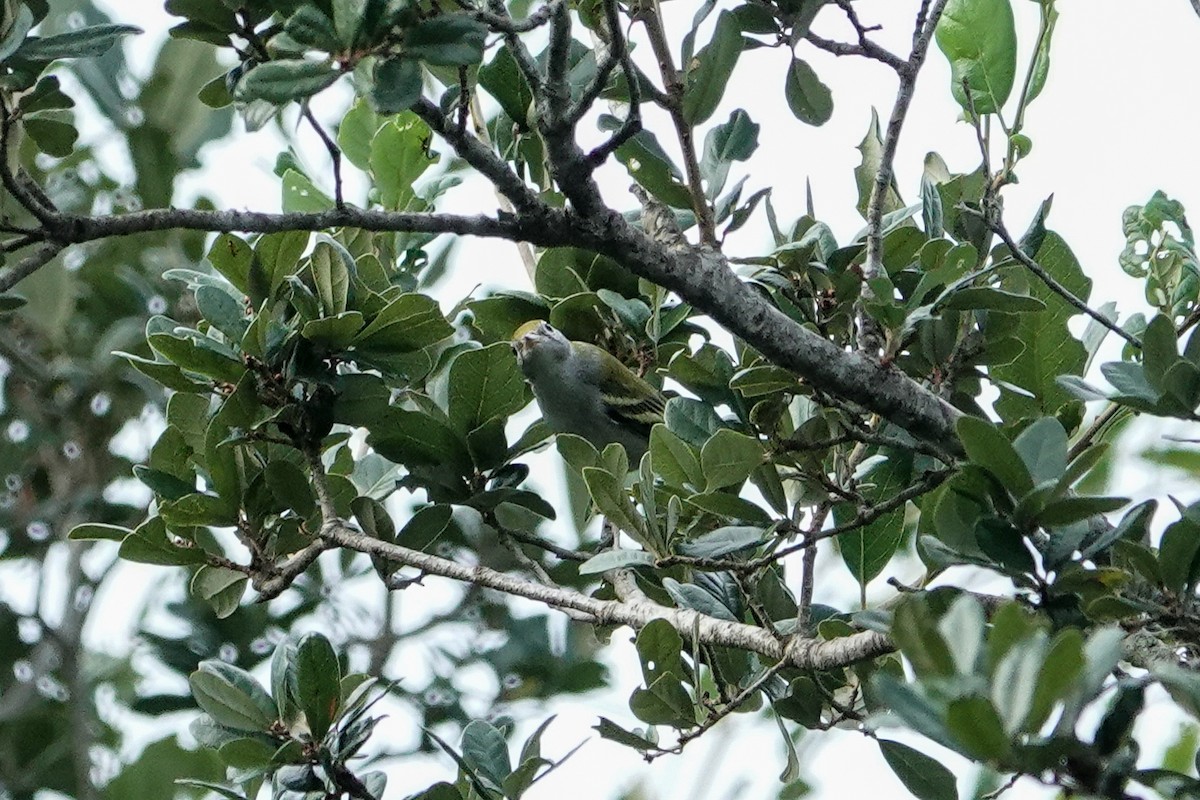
(1041, 63)
(1075, 509)
(871, 148)
(11, 302)
(290, 486)
(232, 697)
(426, 525)
(197, 508)
(502, 78)
(222, 588)
(89, 42)
(53, 137)
(148, 544)
(649, 165)
(977, 730)
(925, 777)
(282, 81)
(354, 136)
(484, 384)
(1061, 669)
(300, 194)
(613, 502)
(990, 449)
(808, 98)
(97, 532)
(616, 559)
(414, 438)
(723, 541)
(920, 639)
(408, 323)
(664, 702)
(310, 27)
(986, 298)
(691, 420)
(333, 333)
(221, 310)
(735, 140)
(315, 682)
(347, 18)
(397, 84)
(331, 276)
(915, 710)
(728, 458)
(706, 80)
(1177, 554)
(615, 733)
(486, 751)
(762, 380)
(199, 355)
(1050, 348)
(979, 38)
(447, 40)
(659, 648)
(1043, 448)
(867, 550)
(18, 29)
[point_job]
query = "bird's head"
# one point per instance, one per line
(538, 345)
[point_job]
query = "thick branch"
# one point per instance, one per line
(705, 280)
(67, 229)
(636, 612)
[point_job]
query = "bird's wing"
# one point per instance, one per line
(639, 408)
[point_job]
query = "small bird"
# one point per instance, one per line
(584, 390)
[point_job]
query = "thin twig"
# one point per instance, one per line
(808, 571)
(674, 87)
(43, 255)
(29, 201)
(717, 714)
(849, 436)
(884, 174)
(464, 100)
(870, 336)
(335, 153)
(500, 20)
(1096, 429)
(524, 248)
(866, 49)
(565, 553)
(997, 227)
(619, 49)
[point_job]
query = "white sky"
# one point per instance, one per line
(1117, 120)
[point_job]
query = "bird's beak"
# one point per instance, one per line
(522, 346)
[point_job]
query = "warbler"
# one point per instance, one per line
(583, 389)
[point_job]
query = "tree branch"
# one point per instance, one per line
(704, 279)
(998, 227)
(29, 265)
(885, 174)
(636, 612)
(674, 87)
